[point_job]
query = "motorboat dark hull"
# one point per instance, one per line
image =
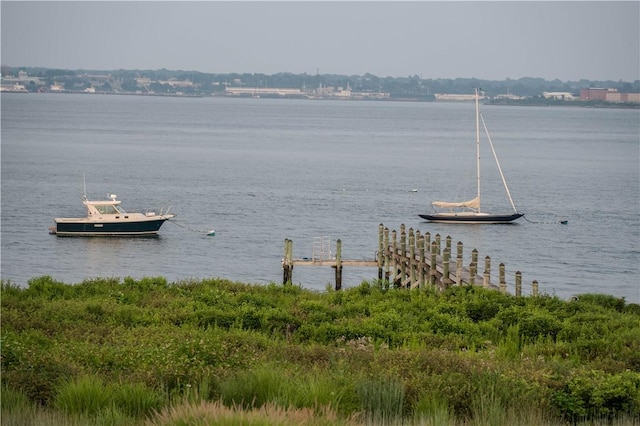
(471, 218)
(108, 229)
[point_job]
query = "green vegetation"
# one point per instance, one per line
(215, 352)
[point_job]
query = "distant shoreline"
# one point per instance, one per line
(501, 102)
(551, 103)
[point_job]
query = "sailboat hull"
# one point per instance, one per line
(471, 218)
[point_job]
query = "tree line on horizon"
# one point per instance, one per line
(403, 87)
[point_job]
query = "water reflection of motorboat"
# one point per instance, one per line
(107, 219)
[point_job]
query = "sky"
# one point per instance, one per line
(569, 41)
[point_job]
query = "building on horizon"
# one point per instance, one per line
(608, 95)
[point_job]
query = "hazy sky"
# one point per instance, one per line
(488, 40)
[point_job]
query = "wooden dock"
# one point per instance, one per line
(411, 260)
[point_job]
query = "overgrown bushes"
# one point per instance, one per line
(111, 352)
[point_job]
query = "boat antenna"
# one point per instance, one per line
(84, 184)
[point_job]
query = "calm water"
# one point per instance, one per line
(259, 171)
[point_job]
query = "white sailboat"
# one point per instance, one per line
(469, 211)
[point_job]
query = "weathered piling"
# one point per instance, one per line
(338, 265)
(487, 266)
(472, 273)
(287, 262)
(503, 283)
(433, 271)
(379, 255)
(459, 249)
(446, 264)
(403, 255)
(421, 261)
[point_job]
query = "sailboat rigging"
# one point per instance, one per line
(469, 211)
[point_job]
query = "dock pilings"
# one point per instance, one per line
(412, 260)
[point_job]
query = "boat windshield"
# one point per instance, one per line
(109, 209)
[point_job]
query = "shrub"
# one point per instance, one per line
(584, 326)
(481, 310)
(539, 325)
(532, 323)
(632, 308)
(448, 324)
(215, 317)
(324, 334)
(249, 318)
(364, 289)
(602, 300)
(314, 311)
(33, 365)
(45, 287)
(146, 284)
(128, 316)
(279, 321)
(595, 394)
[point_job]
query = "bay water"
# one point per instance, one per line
(259, 171)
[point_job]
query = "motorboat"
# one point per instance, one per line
(106, 218)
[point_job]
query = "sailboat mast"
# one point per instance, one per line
(478, 148)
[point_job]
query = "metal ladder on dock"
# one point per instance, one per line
(321, 248)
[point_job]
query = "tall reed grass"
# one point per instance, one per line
(216, 413)
(382, 400)
(87, 395)
(270, 384)
(90, 396)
